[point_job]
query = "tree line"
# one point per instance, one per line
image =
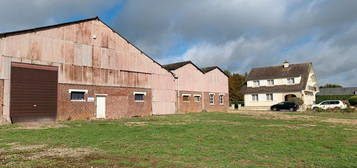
(236, 81)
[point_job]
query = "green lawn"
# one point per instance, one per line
(194, 140)
(328, 114)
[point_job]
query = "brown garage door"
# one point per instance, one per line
(33, 93)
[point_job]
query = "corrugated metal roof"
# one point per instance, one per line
(338, 91)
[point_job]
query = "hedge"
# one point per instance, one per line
(321, 98)
(353, 100)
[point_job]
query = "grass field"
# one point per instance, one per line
(193, 140)
(328, 114)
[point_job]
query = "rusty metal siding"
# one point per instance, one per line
(33, 93)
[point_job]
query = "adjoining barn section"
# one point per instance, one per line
(200, 89)
(82, 70)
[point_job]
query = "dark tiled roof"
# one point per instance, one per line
(174, 66)
(338, 91)
(274, 72)
(207, 69)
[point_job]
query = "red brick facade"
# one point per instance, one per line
(119, 102)
(216, 106)
(192, 106)
(1, 98)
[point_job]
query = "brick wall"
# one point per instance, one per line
(1, 99)
(119, 102)
(216, 107)
(190, 106)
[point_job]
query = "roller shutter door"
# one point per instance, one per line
(33, 93)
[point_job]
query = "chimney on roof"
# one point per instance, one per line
(286, 64)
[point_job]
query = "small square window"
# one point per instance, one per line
(197, 98)
(139, 96)
(221, 100)
(270, 97)
(256, 83)
(211, 98)
(291, 80)
(77, 95)
(255, 97)
(185, 98)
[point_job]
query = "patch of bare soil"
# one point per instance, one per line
(17, 147)
(40, 125)
(224, 122)
(290, 126)
(136, 123)
(62, 153)
(281, 116)
(22, 153)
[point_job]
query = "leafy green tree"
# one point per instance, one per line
(236, 82)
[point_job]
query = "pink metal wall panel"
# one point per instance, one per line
(216, 81)
(190, 79)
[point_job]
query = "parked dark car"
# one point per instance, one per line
(291, 106)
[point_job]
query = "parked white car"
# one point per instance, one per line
(330, 104)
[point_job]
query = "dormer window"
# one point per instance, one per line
(256, 83)
(271, 82)
(291, 80)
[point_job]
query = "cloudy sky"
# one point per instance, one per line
(233, 34)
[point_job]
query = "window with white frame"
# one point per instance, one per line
(255, 97)
(77, 95)
(139, 96)
(291, 80)
(221, 100)
(211, 98)
(186, 97)
(197, 98)
(256, 83)
(271, 82)
(270, 97)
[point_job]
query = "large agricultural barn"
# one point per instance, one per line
(81, 70)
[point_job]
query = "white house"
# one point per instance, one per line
(267, 86)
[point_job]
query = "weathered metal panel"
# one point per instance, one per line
(68, 52)
(83, 55)
(216, 81)
(186, 74)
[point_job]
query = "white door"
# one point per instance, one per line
(101, 106)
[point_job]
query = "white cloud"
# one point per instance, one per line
(234, 34)
(241, 34)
